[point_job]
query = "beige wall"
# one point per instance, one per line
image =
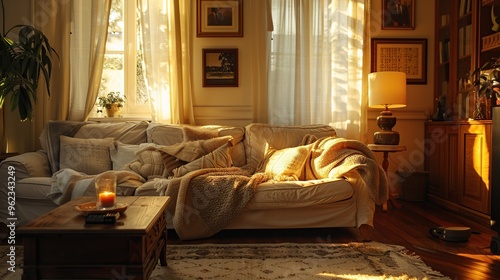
(224, 105)
(233, 105)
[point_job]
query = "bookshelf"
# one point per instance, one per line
(467, 36)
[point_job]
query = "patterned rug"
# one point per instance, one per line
(370, 260)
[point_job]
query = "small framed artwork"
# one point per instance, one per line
(219, 18)
(398, 14)
(220, 67)
(404, 55)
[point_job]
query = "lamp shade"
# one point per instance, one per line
(387, 89)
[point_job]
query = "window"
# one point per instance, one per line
(123, 67)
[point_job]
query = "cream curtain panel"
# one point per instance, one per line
(166, 43)
(88, 44)
(317, 58)
(77, 71)
(55, 107)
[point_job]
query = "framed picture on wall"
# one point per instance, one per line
(398, 14)
(220, 67)
(403, 55)
(219, 18)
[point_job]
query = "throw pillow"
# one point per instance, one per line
(285, 164)
(170, 163)
(122, 154)
(192, 150)
(148, 163)
(219, 158)
(89, 156)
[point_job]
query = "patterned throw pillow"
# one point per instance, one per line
(89, 156)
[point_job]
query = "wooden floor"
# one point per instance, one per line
(407, 226)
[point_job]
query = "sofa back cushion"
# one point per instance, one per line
(126, 132)
(259, 136)
(170, 134)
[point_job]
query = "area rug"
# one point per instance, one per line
(367, 260)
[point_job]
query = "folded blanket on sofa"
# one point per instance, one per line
(68, 184)
(333, 157)
(205, 201)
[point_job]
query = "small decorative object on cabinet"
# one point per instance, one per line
(484, 84)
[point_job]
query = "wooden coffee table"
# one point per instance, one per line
(59, 245)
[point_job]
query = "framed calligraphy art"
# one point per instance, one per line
(403, 55)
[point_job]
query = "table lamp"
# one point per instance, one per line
(386, 90)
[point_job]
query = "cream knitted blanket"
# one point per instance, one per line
(333, 157)
(206, 200)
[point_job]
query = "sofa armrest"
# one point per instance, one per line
(30, 164)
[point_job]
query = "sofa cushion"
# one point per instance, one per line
(50, 139)
(296, 194)
(258, 136)
(170, 163)
(90, 156)
(148, 162)
(122, 154)
(125, 132)
(169, 134)
(220, 158)
(285, 164)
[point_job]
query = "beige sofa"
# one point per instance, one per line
(342, 195)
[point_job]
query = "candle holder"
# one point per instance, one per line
(105, 188)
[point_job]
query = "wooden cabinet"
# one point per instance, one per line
(467, 36)
(458, 157)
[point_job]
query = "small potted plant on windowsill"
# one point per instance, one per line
(113, 102)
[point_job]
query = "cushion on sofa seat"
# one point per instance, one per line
(294, 194)
(258, 136)
(35, 188)
(285, 164)
(90, 156)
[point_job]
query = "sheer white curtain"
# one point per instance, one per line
(317, 57)
(88, 44)
(165, 29)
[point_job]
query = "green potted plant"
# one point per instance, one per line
(485, 83)
(21, 63)
(113, 102)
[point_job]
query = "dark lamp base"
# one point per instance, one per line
(386, 138)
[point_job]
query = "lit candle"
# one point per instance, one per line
(107, 199)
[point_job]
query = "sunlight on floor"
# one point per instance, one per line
(358, 277)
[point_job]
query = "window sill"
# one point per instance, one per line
(120, 119)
